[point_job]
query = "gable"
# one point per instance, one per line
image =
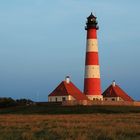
(60, 90)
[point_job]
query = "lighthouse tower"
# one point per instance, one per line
(92, 83)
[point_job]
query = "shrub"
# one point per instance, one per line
(6, 102)
(24, 101)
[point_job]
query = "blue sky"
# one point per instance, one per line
(43, 41)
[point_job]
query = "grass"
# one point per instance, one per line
(70, 127)
(54, 109)
(44, 122)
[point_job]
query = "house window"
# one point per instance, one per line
(56, 99)
(63, 99)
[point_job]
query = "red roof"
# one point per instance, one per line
(65, 89)
(116, 91)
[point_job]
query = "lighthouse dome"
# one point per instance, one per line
(91, 16)
(91, 22)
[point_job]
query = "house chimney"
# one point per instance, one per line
(67, 79)
(113, 83)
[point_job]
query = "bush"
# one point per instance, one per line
(6, 102)
(24, 101)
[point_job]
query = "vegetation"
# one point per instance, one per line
(24, 101)
(70, 127)
(6, 102)
(9, 102)
(58, 109)
(25, 121)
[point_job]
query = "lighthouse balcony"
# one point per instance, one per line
(91, 27)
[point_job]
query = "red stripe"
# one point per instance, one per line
(92, 58)
(92, 86)
(91, 34)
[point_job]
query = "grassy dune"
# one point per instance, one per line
(70, 127)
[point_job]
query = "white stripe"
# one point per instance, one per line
(92, 71)
(92, 45)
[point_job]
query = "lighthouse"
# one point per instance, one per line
(92, 82)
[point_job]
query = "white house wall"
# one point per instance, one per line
(113, 99)
(60, 98)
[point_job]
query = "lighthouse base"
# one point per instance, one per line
(95, 97)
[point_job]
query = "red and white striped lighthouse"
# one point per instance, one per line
(92, 83)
